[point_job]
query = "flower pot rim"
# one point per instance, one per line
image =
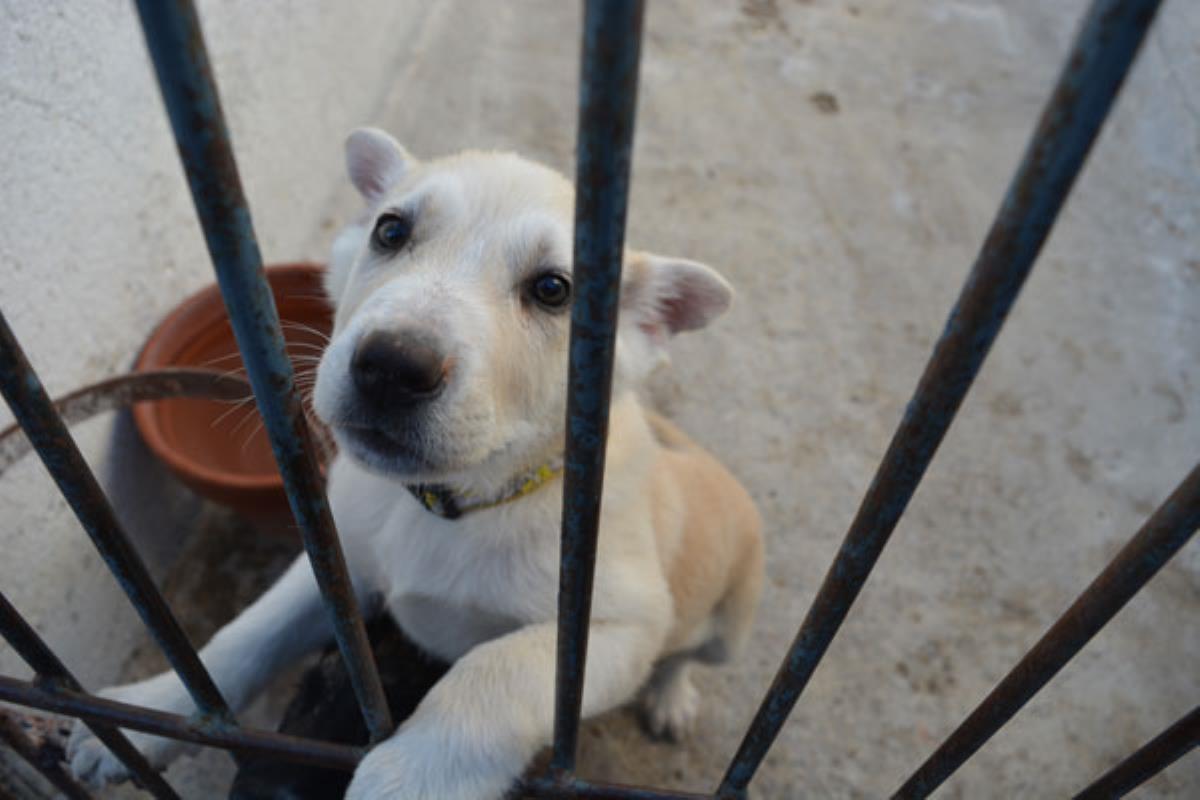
(199, 312)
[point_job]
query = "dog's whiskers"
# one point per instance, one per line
(322, 298)
(306, 346)
(250, 435)
(300, 326)
(239, 405)
(236, 401)
(243, 421)
(220, 359)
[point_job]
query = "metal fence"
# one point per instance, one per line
(1098, 62)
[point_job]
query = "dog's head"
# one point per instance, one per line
(453, 295)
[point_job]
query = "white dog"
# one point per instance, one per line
(445, 386)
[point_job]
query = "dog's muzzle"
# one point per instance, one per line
(397, 370)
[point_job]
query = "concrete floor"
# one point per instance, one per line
(840, 162)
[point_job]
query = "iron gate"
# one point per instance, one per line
(1098, 62)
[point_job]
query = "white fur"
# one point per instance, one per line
(481, 590)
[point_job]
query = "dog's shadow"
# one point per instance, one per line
(324, 707)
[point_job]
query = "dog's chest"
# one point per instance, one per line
(450, 584)
(456, 584)
(446, 629)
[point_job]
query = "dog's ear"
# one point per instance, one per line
(666, 296)
(661, 297)
(375, 161)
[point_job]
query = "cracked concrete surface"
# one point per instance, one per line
(840, 162)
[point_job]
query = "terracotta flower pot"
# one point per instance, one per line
(220, 449)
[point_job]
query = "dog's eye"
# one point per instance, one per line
(392, 232)
(550, 290)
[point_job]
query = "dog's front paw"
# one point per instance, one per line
(422, 764)
(670, 707)
(92, 763)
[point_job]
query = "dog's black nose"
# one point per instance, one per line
(397, 368)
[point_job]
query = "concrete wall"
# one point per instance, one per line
(99, 238)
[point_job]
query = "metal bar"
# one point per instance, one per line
(1099, 59)
(1169, 529)
(589, 790)
(612, 33)
(1149, 760)
(213, 733)
(176, 45)
(31, 406)
(52, 672)
(125, 390)
(50, 769)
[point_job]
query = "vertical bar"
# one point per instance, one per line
(51, 770)
(1167, 530)
(612, 33)
(34, 411)
(176, 45)
(1150, 759)
(1095, 68)
(53, 673)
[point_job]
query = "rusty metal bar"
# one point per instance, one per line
(213, 733)
(48, 767)
(125, 390)
(576, 789)
(612, 32)
(1091, 78)
(1148, 760)
(53, 673)
(1167, 530)
(31, 406)
(176, 45)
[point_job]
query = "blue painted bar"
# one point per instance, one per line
(591, 790)
(22, 638)
(25, 395)
(100, 711)
(36, 755)
(612, 31)
(1095, 68)
(1164, 534)
(176, 44)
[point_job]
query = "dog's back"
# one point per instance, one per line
(710, 542)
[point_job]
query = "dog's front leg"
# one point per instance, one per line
(283, 624)
(481, 724)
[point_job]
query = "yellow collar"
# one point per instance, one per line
(447, 503)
